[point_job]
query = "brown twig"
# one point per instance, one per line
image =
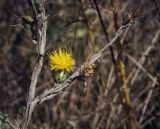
(107, 39)
(87, 24)
(142, 68)
(133, 74)
(106, 34)
(156, 5)
(127, 105)
(147, 101)
(8, 121)
(41, 24)
(32, 5)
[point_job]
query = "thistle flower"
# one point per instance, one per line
(61, 61)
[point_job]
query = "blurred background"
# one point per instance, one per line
(75, 24)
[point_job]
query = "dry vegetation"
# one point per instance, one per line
(102, 101)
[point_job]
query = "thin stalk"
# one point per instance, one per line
(131, 122)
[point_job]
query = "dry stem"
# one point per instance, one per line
(41, 27)
(58, 88)
(127, 105)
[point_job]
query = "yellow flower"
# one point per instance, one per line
(61, 60)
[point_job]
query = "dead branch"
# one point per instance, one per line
(41, 27)
(142, 68)
(147, 101)
(59, 87)
(6, 119)
(133, 74)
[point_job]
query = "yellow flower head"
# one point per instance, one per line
(61, 60)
